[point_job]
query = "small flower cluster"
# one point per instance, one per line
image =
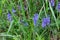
(52, 2)
(35, 18)
(9, 17)
(13, 10)
(58, 7)
(45, 21)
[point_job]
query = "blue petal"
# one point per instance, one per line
(13, 10)
(45, 21)
(43, 24)
(9, 17)
(35, 18)
(58, 7)
(52, 2)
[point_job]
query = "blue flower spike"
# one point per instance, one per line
(58, 7)
(13, 10)
(35, 18)
(52, 2)
(9, 17)
(45, 21)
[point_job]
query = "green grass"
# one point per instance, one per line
(16, 30)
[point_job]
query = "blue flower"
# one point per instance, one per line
(45, 21)
(58, 7)
(13, 10)
(9, 17)
(52, 2)
(35, 18)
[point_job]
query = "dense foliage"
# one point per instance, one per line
(29, 20)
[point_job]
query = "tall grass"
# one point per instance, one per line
(22, 27)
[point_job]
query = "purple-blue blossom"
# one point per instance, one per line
(52, 2)
(13, 10)
(35, 18)
(58, 7)
(9, 17)
(45, 21)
